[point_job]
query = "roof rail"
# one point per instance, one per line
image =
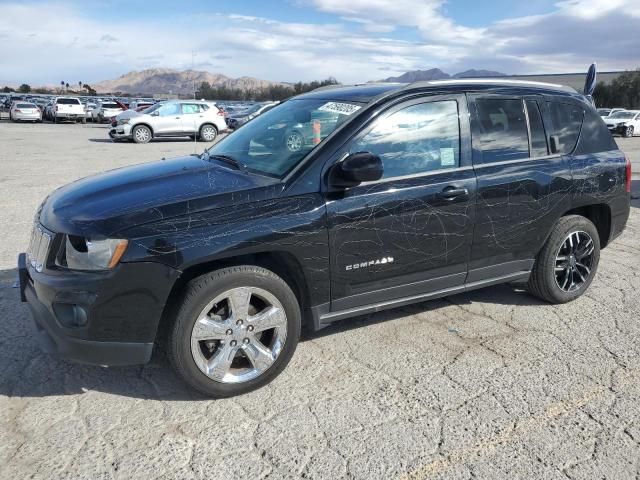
(491, 81)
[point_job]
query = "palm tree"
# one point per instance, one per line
(80, 85)
(67, 85)
(61, 85)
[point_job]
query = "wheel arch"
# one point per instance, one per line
(600, 215)
(283, 264)
(143, 124)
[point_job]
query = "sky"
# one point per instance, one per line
(44, 42)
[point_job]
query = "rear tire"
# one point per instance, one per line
(568, 261)
(207, 133)
(255, 350)
(141, 134)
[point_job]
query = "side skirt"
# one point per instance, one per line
(322, 317)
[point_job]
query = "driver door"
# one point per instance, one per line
(408, 234)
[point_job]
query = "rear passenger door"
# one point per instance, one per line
(192, 114)
(522, 187)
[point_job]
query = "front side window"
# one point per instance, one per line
(417, 139)
(169, 109)
(501, 129)
(567, 121)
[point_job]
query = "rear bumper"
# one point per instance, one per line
(27, 116)
(99, 320)
(69, 115)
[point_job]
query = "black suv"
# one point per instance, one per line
(336, 203)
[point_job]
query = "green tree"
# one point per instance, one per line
(623, 92)
(24, 88)
(7, 89)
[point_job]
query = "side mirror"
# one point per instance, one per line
(155, 113)
(554, 143)
(356, 168)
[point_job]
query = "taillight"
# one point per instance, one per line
(627, 180)
(221, 113)
(18, 110)
(56, 108)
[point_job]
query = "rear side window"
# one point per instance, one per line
(68, 101)
(538, 137)
(567, 120)
(503, 133)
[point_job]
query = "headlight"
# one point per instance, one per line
(79, 253)
(122, 121)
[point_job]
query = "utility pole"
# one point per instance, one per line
(193, 55)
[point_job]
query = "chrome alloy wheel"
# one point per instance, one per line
(208, 134)
(574, 261)
(143, 135)
(239, 335)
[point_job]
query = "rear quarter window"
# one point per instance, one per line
(567, 121)
(595, 136)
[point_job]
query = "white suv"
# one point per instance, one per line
(625, 123)
(175, 118)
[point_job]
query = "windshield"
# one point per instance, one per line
(152, 108)
(623, 115)
(604, 111)
(276, 141)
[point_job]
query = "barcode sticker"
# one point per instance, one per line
(341, 108)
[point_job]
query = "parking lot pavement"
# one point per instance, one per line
(489, 384)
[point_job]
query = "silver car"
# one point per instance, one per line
(175, 118)
(25, 112)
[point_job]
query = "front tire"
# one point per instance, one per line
(628, 132)
(141, 134)
(568, 261)
(236, 329)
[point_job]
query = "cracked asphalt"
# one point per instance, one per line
(490, 384)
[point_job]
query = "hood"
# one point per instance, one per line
(113, 201)
(128, 114)
(616, 121)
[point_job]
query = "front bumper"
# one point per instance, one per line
(120, 131)
(617, 129)
(101, 318)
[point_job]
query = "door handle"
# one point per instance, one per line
(452, 192)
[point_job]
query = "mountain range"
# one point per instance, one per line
(182, 82)
(437, 74)
(167, 80)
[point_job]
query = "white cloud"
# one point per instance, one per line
(364, 38)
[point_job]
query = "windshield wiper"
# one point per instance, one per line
(226, 159)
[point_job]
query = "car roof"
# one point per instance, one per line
(366, 93)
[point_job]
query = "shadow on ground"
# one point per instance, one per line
(27, 372)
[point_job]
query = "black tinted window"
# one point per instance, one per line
(567, 120)
(502, 129)
(595, 136)
(538, 137)
(68, 101)
(416, 139)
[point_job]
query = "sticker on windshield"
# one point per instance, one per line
(341, 108)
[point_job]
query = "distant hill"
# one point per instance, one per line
(167, 80)
(437, 74)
